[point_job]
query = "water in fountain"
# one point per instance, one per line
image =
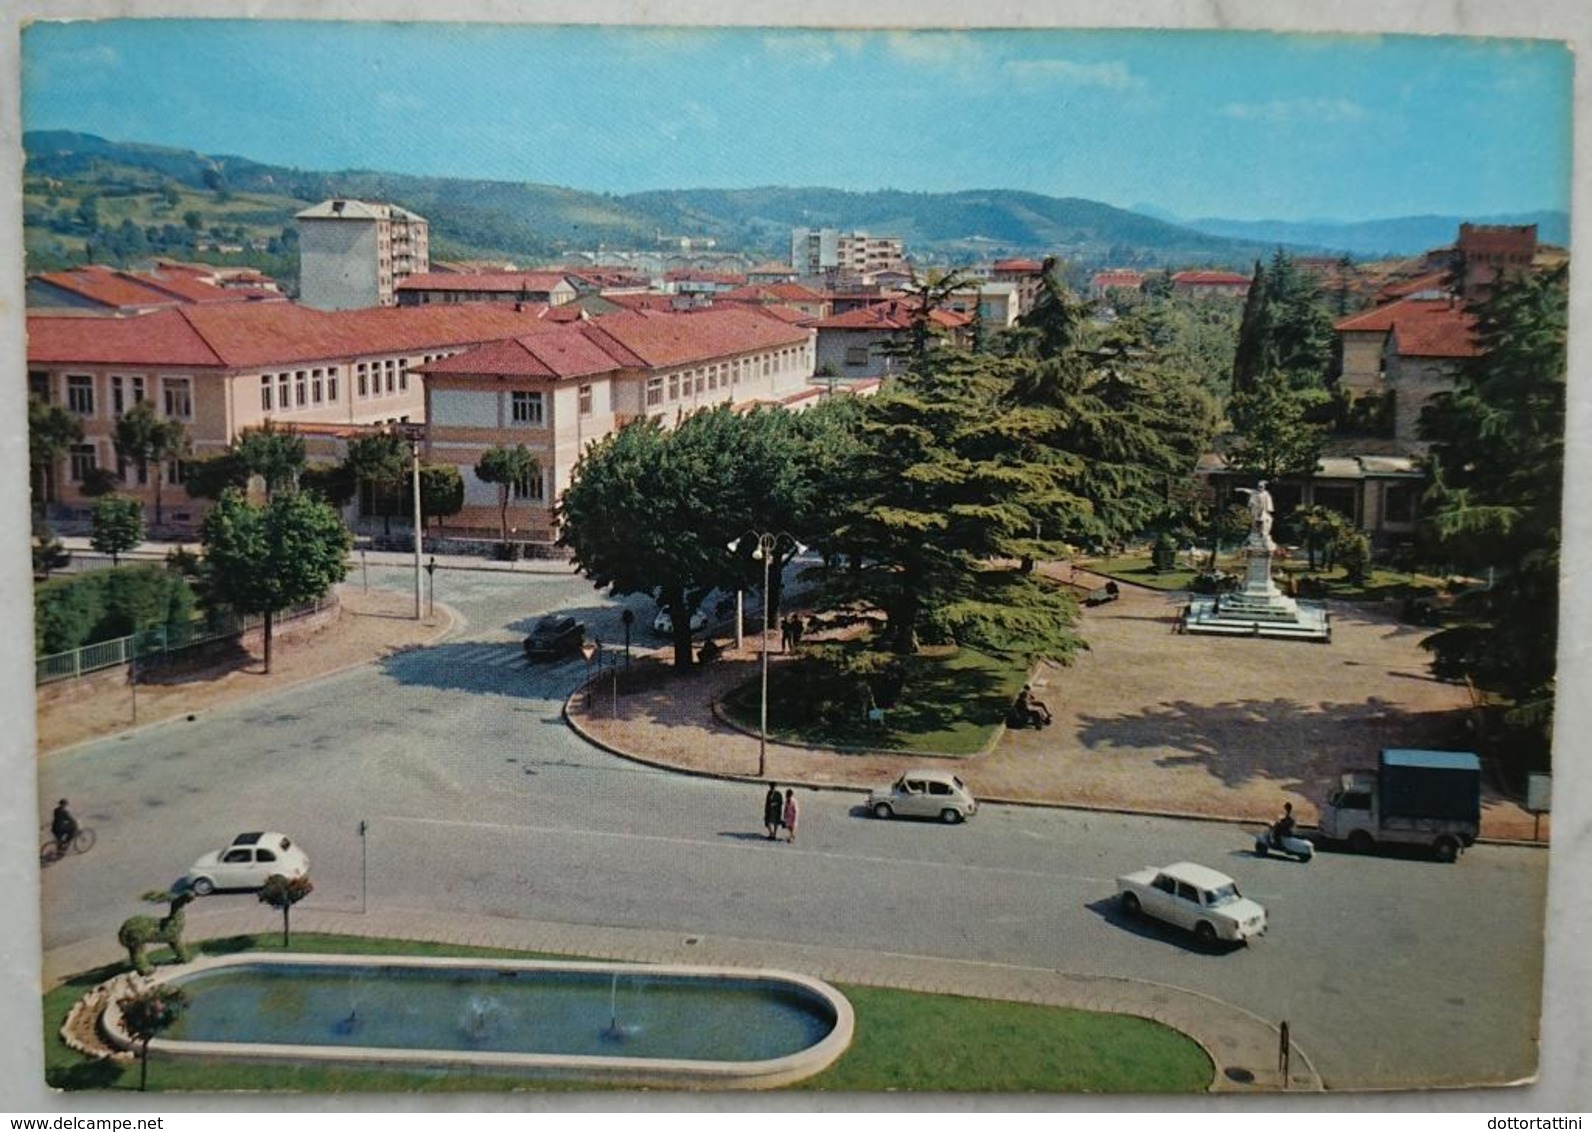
(480, 1018)
(615, 1032)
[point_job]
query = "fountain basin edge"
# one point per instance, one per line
(605, 1069)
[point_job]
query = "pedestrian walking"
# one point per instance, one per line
(773, 810)
(795, 631)
(788, 818)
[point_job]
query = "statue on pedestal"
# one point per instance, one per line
(1260, 512)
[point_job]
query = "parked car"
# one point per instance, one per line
(663, 624)
(924, 794)
(1194, 898)
(553, 636)
(246, 863)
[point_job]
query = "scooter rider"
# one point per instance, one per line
(1284, 827)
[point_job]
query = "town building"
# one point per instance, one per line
(865, 342)
(354, 254)
(828, 251)
(1202, 284)
(813, 304)
(1405, 353)
(1026, 274)
(550, 288)
(221, 368)
(561, 389)
(108, 290)
(1102, 283)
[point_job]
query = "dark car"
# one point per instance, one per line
(553, 636)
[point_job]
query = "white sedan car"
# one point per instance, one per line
(1194, 898)
(246, 863)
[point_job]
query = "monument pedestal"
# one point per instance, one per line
(1258, 608)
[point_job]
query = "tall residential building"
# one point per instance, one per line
(822, 251)
(354, 253)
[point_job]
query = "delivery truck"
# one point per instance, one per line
(1430, 798)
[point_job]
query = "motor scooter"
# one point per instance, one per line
(1296, 847)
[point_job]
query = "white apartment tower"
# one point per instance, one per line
(819, 251)
(354, 253)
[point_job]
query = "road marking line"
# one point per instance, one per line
(806, 854)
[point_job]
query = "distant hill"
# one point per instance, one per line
(1400, 236)
(531, 222)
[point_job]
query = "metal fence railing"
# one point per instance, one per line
(157, 645)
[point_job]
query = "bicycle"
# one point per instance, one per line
(54, 849)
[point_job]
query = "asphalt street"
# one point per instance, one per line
(1391, 971)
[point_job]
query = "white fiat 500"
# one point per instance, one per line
(1194, 898)
(246, 863)
(924, 794)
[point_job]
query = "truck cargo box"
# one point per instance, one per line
(1440, 785)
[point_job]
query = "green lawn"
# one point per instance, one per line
(903, 1041)
(950, 702)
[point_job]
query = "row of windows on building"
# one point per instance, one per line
(175, 393)
(300, 389)
(712, 378)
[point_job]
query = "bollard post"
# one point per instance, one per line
(1284, 1053)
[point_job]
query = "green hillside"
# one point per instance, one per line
(158, 200)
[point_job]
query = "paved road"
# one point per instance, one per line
(1390, 971)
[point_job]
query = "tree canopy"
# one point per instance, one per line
(143, 438)
(508, 468)
(118, 525)
(52, 431)
(1496, 501)
(269, 558)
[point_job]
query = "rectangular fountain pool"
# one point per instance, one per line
(667, 1024)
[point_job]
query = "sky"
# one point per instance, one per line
(1241, 125)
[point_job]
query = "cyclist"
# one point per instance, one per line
(63, 825)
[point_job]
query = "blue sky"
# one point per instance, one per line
(1232, 124)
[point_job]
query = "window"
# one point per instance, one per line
(136, 385)
(116, 396)
(80, 394)
(654, 391)
(317, 385)
(282, 385)
(331, 385)
(265, 392)
(525, 408)
(390, 367)
(713, 377)
(856, 355)
(585, 398)
(1398, 503)
(1187, 891)
(179, 397)
(674, 387)
(83, 461)
(363, 377)
(403, 377)
(701, 380)
(529, 489)
(300, 388)
(39, 383)
(176, 472)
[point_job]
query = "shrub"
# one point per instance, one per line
(77, 611)
(1163, 555)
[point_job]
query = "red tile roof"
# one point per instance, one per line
(509, 282)
(1421, 328)
(1015, 266)
(1210, 279)
(250, 335)
(624, 340)
(166, 285)
(893, 314)
(1105, 280)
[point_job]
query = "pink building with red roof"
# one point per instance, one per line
(556, 391)
(109, 290)
(548, 287)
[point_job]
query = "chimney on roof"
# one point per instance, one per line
(338, 206)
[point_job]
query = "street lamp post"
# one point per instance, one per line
(414, 433)
(764, 552)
